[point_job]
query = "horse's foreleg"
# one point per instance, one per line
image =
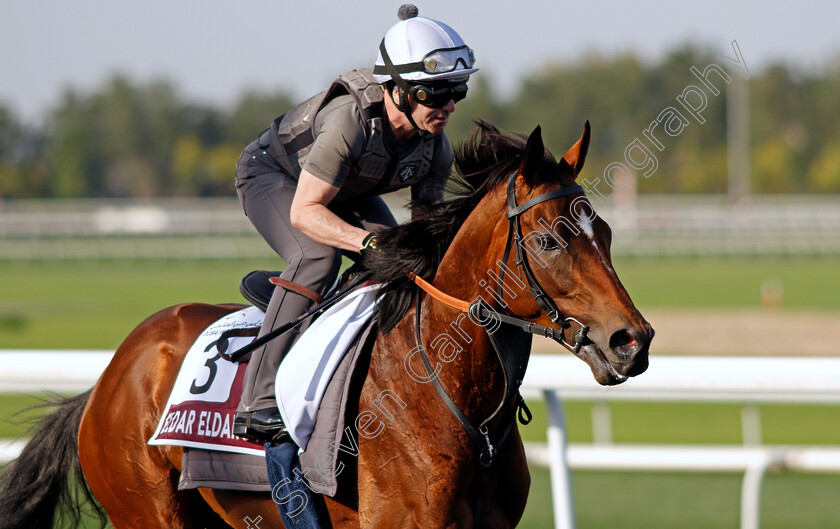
(412, 488)
(507, 487)
(433, 490)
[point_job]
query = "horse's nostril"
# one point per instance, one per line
(626, 342)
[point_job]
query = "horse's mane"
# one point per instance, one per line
(483, 161)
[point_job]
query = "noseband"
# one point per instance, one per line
(511, 342)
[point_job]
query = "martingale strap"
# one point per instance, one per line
(443, 297)
(480, 441)
(503, 338)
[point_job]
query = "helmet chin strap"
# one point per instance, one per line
(403, 105)
(405, 108)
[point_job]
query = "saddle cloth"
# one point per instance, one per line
(200, 410)
(201, 407)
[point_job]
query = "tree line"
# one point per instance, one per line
(130, 139)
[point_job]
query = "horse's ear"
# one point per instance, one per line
(577, 154)
(534, 155)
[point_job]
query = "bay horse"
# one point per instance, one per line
(551, 272)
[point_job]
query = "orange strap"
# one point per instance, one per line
(298, 289)
(430, 289)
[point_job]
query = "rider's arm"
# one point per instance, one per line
(309, 214)
(340, 140)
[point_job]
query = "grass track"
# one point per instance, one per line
(96, 304)
(81, 304)
(731, 283)
(650, 500)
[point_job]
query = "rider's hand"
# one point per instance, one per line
(368, 244)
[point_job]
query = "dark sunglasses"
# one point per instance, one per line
(438, 96)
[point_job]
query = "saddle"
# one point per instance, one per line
(258, 286)
(239, 471)
(333, 444)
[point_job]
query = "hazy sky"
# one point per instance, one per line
(214, 49)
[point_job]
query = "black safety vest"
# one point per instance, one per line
(376, 171)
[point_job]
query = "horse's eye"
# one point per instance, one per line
(547, 242)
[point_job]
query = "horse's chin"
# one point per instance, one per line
(604, 373)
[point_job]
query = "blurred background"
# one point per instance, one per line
(120, 124)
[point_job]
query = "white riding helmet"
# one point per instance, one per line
(422, 49)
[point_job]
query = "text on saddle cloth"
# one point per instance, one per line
(199, 412)
(203, 401)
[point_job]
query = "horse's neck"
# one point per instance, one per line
(474, 250)
(469, 368)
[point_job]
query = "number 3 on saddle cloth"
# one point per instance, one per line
(313, 379)
(200, 409)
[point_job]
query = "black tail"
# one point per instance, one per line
(47, 476)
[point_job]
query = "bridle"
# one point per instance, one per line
(511, 338)
(545, 301)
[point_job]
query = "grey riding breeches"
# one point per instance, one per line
(266, 195)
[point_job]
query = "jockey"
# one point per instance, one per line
(310, 184)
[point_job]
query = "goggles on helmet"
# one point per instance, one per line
(438, 96)
(436, 62)
(446, 60)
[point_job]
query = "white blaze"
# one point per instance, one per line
(585, 224)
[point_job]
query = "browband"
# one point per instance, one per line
(514, 211)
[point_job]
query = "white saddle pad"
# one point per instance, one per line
(203, 402)
(308, 368)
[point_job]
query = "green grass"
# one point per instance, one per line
(96, 304)
(649, 500)
(730, 283)
(80, 304)
(665, 500)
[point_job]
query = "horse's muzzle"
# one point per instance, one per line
(630, 350)
(624, 355)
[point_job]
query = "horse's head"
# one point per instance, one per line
(556, 269)
(566, 246)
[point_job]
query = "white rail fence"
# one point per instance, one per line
(215, 228)
(748, 381)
